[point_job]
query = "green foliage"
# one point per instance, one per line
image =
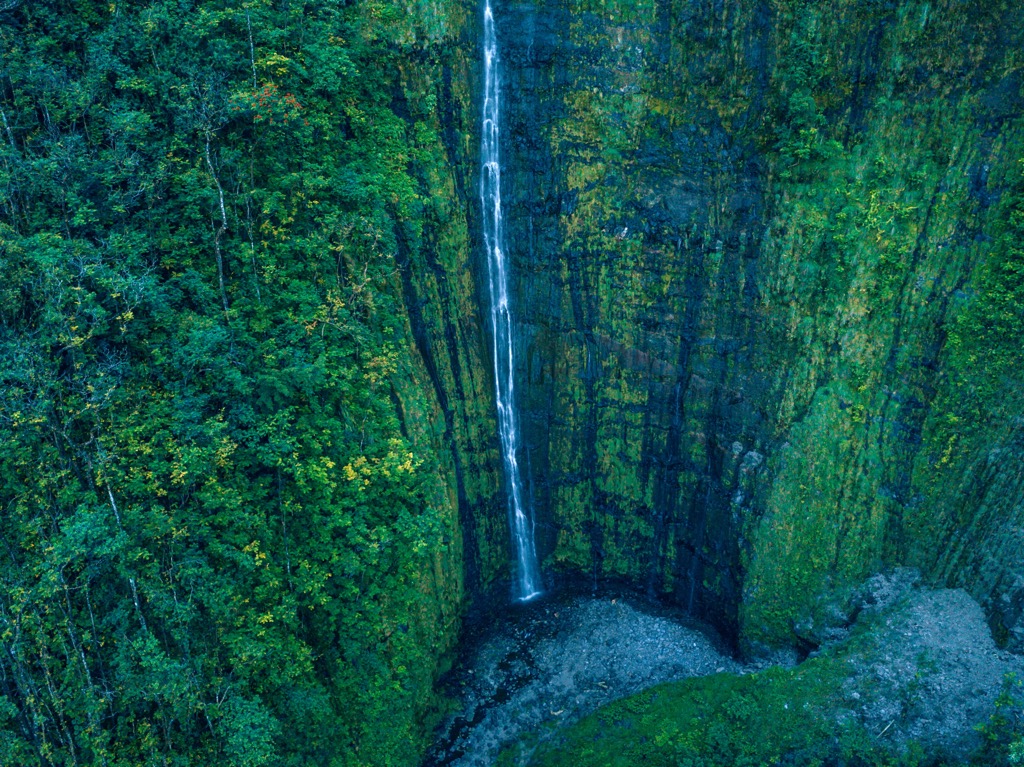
(776, 716)
(975, 418)
(888, 228)
(984, 342)
(799, 126)
(1003, 733)
(218, 541)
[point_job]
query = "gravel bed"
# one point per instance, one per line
(549, 663)
(930, 674)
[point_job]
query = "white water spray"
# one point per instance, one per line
(526, 581)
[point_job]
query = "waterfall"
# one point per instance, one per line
(526, 582)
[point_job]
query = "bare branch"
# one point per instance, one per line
(131, 579)
(223, 227)
(7, 125)
(252, 50)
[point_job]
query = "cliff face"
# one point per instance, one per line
(446, 388)
(761, 256)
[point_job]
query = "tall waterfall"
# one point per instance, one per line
(526, 581)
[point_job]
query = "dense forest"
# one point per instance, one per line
(768, 269)
(219, 544)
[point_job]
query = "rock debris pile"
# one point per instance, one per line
(554, 662)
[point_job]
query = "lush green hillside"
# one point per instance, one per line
(230, 532)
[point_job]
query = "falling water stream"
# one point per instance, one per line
(526, 582)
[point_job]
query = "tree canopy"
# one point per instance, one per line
(213, 529)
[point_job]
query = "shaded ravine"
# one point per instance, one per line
(526, 581)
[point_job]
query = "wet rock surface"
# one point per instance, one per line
(677, 298)
(910, 664)
(548, 663)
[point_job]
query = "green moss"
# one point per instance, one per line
(822, 313)
(774, 716)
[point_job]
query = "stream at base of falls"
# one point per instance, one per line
(550, 662)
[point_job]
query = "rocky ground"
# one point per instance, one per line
(548, 663)
(929, 672)
(934, 671)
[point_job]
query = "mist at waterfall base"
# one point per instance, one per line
(526, 580)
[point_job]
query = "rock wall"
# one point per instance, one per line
(742, 234)
(447, 389)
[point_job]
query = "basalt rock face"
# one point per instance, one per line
(446, 383)
(758, 252)
(445, 388)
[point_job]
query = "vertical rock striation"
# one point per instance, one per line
(760, 275)
(747, 231)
